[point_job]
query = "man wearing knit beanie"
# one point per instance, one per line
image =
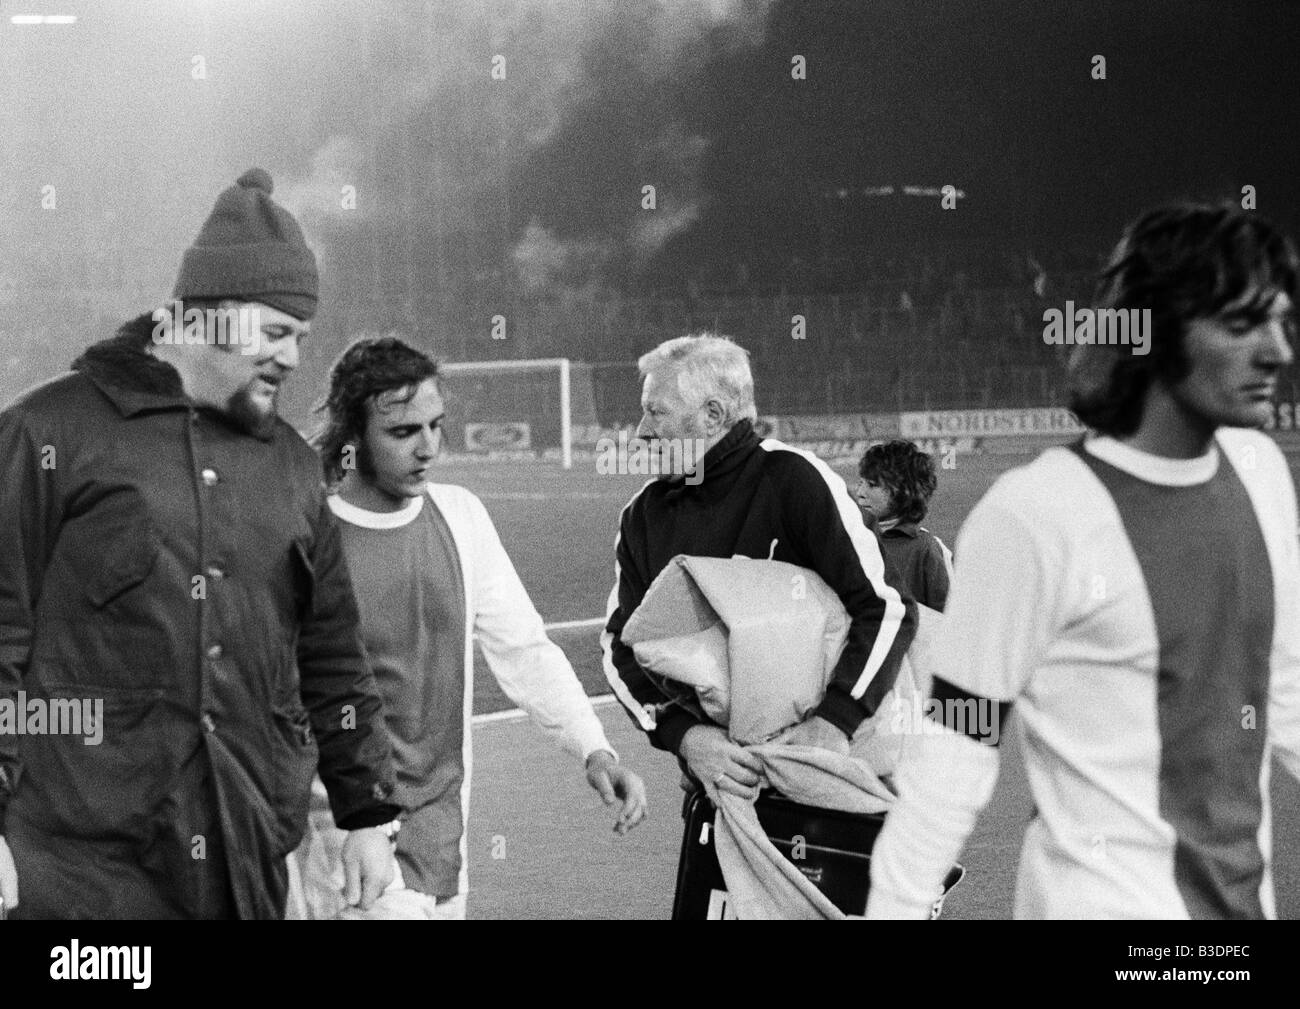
(251, 249)
(249, 273)
(168, 562)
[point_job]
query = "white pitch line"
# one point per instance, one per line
(514, 714)
(569, 625)
(566, 625)
(532, 495)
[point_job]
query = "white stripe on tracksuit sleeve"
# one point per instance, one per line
(870, 557)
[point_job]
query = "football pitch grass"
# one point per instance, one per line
(540, 843)
(559, 528)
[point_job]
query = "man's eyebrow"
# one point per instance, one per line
(1260, 306)
(1246, 313)
(411, 423)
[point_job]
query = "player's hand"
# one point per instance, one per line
(367, 866)
(612, 782)
(720, 763)
(8, 878)
(816, 731)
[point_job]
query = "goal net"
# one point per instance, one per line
(517, 408)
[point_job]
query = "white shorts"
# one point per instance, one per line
(316, 881)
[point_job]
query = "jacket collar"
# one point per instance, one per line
(130, 377)
(135, 381)
(727, 455)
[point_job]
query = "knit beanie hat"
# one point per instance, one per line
(251, 249)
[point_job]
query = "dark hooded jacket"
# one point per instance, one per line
(189, 575)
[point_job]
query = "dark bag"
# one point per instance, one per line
(832, 848)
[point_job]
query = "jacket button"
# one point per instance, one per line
(209, 477)
(214, 652)
(208, 724)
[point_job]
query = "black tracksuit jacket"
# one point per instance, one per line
(754, 492)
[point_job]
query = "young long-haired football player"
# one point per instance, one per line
(430, 576)
(1135, 597)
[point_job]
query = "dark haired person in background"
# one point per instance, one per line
(895, 483)
(431, 576)
(165, 547)
(1135, 596)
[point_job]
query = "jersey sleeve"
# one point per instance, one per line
(1284, 678)
(998, 622)
(532, 670)
(1002, 602)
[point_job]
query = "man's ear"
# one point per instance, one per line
(715, 415)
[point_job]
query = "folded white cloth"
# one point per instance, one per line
(758, 640)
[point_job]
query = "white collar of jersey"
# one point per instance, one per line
(376, 520)
(1157, 469)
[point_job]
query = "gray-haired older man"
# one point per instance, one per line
(757, 498)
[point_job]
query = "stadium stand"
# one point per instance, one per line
(916, 331)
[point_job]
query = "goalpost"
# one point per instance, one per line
(517, 406)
